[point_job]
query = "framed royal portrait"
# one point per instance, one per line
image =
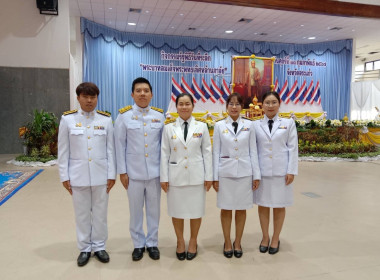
(252, 76)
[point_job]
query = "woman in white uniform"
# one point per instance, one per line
(236, 171)
(186, 172)
(277, 146)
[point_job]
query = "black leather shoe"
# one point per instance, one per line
(238, 253)
(181, 256)
(83, 258)
(264, 249)
(227, 254)
(102, 256)
(154, 253)
(190, 256)
(138, 253)
(273, 251)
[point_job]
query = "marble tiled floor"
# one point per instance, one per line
(334, 235)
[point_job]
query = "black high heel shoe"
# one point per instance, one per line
(238, 253)
(227, 254)
(264, 249)
(181, 256)
(273, 251)
(191, 256)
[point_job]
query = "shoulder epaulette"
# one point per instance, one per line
(125, 109)
(69, 112)
(201, 120)
(170, 121)
(220, 119)
(257, 118)
(157, 109)
(103, 113)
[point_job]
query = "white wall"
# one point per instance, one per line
(28, 39)
(76, 59)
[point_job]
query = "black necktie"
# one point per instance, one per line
(270, 124)
(185, 132)
(235, 125)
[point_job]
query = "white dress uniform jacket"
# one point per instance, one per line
(137, 139)
(278, 150)
(235, 155)
(86, 154)
(186, 163)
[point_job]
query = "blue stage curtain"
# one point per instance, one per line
(112, 61)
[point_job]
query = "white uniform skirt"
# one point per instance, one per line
(273, 193)
(186, 202)
(235, 193)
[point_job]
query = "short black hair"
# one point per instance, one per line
(141, 80)
(274, 93)
(87, 88)
(237, 95)
(182, 95)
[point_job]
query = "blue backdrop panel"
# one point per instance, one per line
(112, 61)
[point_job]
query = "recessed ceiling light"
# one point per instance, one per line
(255, 33)
(353, 30)
(131, 23)
(181, 14)
(110, 8)
(147, 11)
(302, 25)
(172, 27)
(311, 38)
(213, 17)
(229, 31)
(280, 35)
(303, 37)
(275, 22)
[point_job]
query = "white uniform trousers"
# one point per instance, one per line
(148, 191)
(90, 206)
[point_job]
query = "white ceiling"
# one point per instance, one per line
(175, 17)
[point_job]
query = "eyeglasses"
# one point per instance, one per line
(234, 104)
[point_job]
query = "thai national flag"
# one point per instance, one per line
(276, 86)
(176, 89)
(319, 97)
(299, 93)
(284, 91)
(207, 91)
(225, 89)
(291, 92)
(314, 94)
(188, 90)
(197, 90)
(306, 96)
(217, 92)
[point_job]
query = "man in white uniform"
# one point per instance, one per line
(138, 130)
(87, 169)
